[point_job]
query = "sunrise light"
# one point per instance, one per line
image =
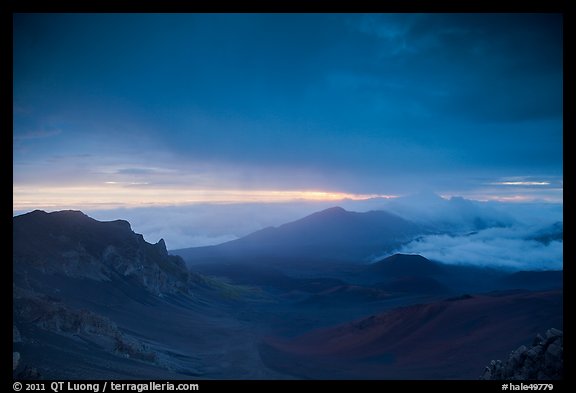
(115, 194)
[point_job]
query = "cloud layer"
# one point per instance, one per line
(498, 234)
(495, 247)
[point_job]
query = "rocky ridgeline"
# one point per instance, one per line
(542, 361)
(73, 244)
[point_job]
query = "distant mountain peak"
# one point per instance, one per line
(406, 265)
(36, 212)
(400, 257)
(333, 210)
(425, 196)
(328, 235)
(412, 260)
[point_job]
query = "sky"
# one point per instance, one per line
(154, 110)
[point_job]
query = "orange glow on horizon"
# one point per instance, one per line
(112, 195)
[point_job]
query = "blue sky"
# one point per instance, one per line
(134, 110)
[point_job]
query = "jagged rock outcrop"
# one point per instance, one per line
(543, 360)
(77, 246)
(55, 255)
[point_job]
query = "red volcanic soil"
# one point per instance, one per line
(451, 339)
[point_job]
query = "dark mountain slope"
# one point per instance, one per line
(417, 274)
(548, 279)
(94, 300)
(75, 245)
(402, 265)
(404, 273)
(332, 235)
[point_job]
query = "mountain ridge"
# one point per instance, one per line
(334, 234)
(98, 250)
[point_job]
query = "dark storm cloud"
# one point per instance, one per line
(489, 67)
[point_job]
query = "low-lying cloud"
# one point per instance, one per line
(498, 247)
(498, 234)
